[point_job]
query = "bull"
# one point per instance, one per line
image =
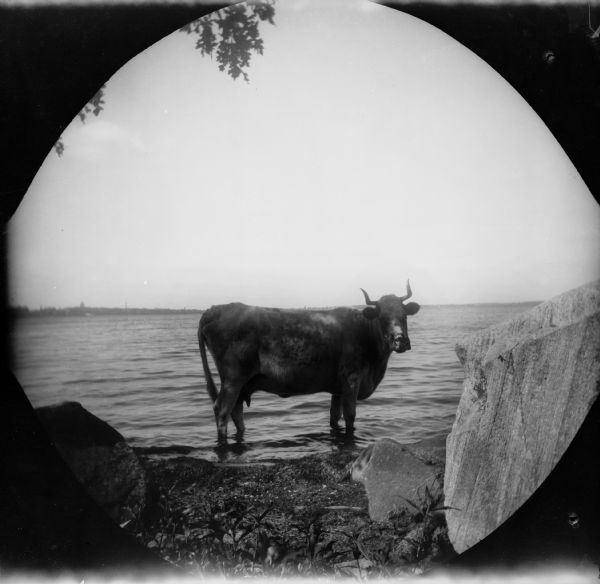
(342, 351)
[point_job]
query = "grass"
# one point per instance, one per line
(297, 517)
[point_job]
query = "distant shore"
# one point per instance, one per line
(82, 310)
(23, 311)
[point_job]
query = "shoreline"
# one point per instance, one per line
(238, 453)
(432, 447)
(281, 517)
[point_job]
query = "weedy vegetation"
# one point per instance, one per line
(297, 517)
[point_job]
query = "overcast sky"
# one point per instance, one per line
(367, 148)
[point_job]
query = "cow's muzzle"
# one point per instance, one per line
(400, 344)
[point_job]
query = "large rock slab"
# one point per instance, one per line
(398, 476)
(99, 458)
(529, 384)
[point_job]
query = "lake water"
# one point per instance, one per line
(143, 375)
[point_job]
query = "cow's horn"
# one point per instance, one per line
(368, 300)
(408, 292)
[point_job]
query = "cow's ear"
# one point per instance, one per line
(411, 308)
(371, 312)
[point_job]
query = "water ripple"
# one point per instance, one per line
(143, 375)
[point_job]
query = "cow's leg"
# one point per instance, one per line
(223, 407)
(335, 412)
(349, 406)
(349, 401)
(237, 415)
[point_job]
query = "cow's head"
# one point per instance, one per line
(392, 312)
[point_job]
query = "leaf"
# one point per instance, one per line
(233, 35)
(59, 146)
(264, 514)
(324, 547)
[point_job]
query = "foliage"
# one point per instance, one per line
(293, 518)
(95, 105)
(232, 35)
(427, 503)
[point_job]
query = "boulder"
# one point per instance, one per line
(430, 451)
(529, 384)
(99, 458)
(395, 478)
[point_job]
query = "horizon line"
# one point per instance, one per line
(22, 307)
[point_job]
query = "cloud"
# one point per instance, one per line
(91, 139)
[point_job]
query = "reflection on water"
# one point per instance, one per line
(226, 449)
(143, 375)
(336, 440)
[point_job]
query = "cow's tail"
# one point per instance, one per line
(210, 384)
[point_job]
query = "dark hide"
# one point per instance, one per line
(343, 351)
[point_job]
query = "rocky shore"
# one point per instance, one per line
(361, 514)
(284, 518)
